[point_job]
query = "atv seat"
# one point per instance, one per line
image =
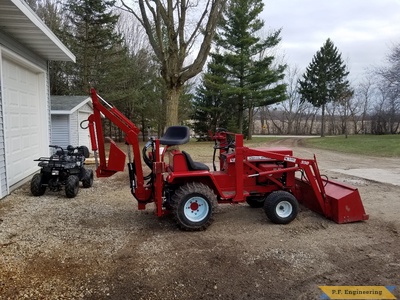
(175, 135)
(194, 166)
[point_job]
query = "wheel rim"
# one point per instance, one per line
(284, 209)
(196, 209)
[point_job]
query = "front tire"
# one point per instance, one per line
(72, 186)
(37, 189)
(193, 205)
(281, 207)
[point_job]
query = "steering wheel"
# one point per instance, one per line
(229, 139)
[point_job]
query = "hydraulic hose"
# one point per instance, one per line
(146, 159)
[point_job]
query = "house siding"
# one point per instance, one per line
(73, 126)
(83, 114)
(47, 82)
(3, 175)
(86, 108)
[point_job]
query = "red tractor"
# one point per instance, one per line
(262, 177)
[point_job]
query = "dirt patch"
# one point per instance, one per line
(98, 246)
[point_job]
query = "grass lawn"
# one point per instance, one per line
(203, 151)
(373, 145)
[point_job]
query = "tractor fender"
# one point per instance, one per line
(204, 177)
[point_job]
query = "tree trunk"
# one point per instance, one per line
(345, 118)
(323, 121)
(240, 115)
(263, 119)
(172, 105)
(250, 129)
(289, 125)
(313, 119)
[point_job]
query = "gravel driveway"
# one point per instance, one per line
(98, 246)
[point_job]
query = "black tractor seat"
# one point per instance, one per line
(175, 135)
(194, 166)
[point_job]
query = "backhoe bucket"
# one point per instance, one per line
(115, 163)
(342, 202)
(116, 158)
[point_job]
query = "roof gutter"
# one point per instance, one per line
(29, 13)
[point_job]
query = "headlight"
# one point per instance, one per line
(55, 172)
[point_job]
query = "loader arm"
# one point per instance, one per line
(336, 201)
(116, 158)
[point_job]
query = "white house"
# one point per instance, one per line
(67, 114)
(26, 47)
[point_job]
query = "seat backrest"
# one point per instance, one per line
(194, 166)
(175, 135)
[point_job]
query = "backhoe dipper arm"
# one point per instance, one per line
(116, 159)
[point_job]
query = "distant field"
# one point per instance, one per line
(203, 151)
(374, 145)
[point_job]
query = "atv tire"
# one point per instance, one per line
(37, 189)
(72, 186)
(87, 179)
(193, 205)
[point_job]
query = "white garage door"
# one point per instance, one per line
(60, 130)
(22, 120)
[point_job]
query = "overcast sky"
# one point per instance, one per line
(362, 30)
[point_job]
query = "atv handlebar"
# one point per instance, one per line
(82, 150)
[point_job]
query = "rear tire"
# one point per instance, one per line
(72, 186)
(281, 207)
(193, 205)
(37, 189)
(255, 202)
(87, 180)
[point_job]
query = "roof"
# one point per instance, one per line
(68, 104)
(20, 22)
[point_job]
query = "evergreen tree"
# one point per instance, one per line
(210, 111)
(51, 13)
(125, 73)
(93, 40)
(136, 92)
(325, 79)
(253, 80)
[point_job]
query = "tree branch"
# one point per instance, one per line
(215, 13)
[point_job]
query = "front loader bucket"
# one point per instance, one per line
(342, 202)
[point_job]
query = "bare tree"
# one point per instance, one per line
(331, 110)
(386, 116)
(290, 116)
(133, 32)
(344, 111)
(292, 106)
(172, 34)
(361, 104)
